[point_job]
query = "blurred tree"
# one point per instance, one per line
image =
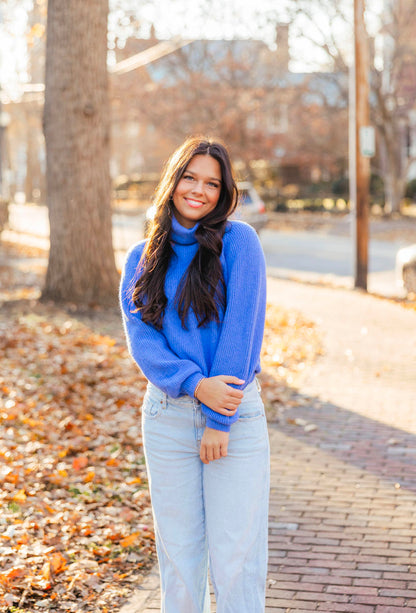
(229, 89)
(327, 25)
(81, 266)
(241, 91)
(394, 90)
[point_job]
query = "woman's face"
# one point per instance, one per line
(198, 190)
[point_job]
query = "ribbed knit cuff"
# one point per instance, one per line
(215, 425)
(217, 421)
(189, 385)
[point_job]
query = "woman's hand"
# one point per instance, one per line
(220, 397)
(214, 445)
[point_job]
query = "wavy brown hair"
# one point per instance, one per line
(202, 286)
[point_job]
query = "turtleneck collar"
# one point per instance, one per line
(181, 235)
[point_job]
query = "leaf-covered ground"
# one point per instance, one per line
(75, 521)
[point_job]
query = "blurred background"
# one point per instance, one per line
(272, 81)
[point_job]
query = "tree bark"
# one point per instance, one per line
(395, 177)
(81, 266)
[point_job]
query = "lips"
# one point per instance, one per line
(195, 204)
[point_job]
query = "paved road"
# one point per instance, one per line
(323, 253)
(343, 497)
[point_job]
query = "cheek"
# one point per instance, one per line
(214, 200)
(177, 194)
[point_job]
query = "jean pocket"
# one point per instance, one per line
(151, 409)
(251, 411)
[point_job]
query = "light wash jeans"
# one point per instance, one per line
(217, 510)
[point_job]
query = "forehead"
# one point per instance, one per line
(205, 166)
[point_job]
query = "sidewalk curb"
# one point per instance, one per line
(143, 593)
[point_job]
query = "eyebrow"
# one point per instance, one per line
(208, 178)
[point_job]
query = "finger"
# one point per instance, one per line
(217, 453)
(236, 394)
(230, 408)
(226, 412)
(231, 405)
(203, 455)
(233, 402)
(210, 454)
(224, 450)
(232, 379)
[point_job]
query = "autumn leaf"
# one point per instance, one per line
(113, 462)
(10, 575)
(129, 540)
(79, 462)
(57, 562)
(89, 477)
(133, 481)
(46, 571)
(20, 496)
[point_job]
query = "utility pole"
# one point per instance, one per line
(359, 163)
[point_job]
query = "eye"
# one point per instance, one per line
(213, 185)
(188, 177)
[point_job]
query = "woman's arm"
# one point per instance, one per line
(148, 346)
(217, 394)
(239, 346)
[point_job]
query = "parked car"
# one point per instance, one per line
(406, 268)
(250, 209)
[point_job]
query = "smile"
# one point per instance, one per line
(195, 204)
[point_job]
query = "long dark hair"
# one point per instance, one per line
(202, 286)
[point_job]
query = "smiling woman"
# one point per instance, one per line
(193, 298)
(198, 190)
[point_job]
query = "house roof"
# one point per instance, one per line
(250, 63)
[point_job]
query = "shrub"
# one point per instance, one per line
(411, 190)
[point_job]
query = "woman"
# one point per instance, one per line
(193, 299)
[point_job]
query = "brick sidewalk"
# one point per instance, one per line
(343, 496)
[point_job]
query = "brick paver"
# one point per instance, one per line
(343, 496)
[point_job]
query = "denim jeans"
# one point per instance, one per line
(216, 511)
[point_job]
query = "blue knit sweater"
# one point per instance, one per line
(176, 359)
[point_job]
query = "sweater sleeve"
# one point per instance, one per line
(148, 346)
(239, 346)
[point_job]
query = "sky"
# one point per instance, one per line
(13, 21)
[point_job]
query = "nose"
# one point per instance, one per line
(197, 187)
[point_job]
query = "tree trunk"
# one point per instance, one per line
(81, 266)
(394, 179)
(393, 193)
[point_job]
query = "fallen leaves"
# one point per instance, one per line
(75, 509)
(291, 344)
(299, 421)
(76, 530)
